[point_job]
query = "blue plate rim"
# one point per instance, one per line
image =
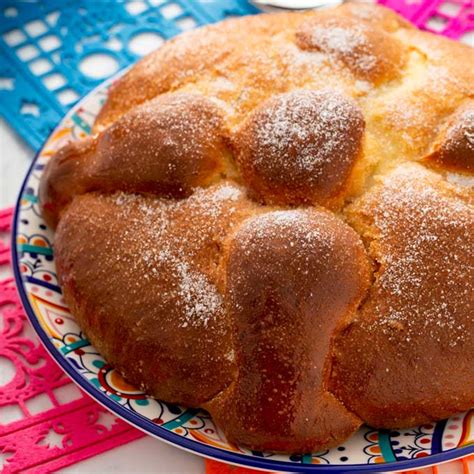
(150, 428)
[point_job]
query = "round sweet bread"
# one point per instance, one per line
(273, 221)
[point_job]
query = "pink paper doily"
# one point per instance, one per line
(46, 422)
(451, 18)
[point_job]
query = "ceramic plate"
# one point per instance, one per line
(190, 429)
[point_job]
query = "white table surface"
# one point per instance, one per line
(141, 456)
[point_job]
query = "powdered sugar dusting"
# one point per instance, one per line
(305, 236)
(183, 124)
(345, 42)
(442, 81)
(411, 112)
(463, 180)
(174, 237)
(227, 192)
(212, 201)
(426, 252)
(463, 130)
(196, 296)
(304, 131)
(363, 86)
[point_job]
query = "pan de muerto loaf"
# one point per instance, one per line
(273, 221)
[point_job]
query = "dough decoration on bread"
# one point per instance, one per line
(300, 147)
(272, 222)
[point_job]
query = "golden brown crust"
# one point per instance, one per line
(405, 119)
(300, 147)
(406, 358)
(454, 147)
(185, 294)
(367, 51)
(141, 275)
(64, 177)
(292, 277)
(167, 146)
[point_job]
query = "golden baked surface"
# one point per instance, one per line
(273, 221)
